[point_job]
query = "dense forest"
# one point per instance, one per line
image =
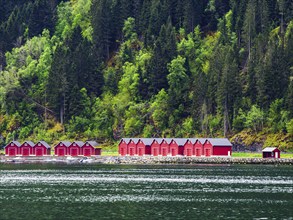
(105, 69)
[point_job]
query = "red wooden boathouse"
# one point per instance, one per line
(123, 146)
(165, 146)
(90, 148)
(156, 146)
(42, 148)
(198, 147)
(61, 148)
(271, 152)
(131, 146)
(12, 149)
(188, 147)
(26, 149)
(74, 149)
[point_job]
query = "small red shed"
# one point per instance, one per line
(123, 146)
(155, 147)
(131, 146)
(42, 148)
(61, 148)
(26, 149)
(165, 146)
(74, 149)
(271, 152)
(12, 149)
(90, 148)
(198, 147)
(173, 148)
(188, 147)
(207, 148)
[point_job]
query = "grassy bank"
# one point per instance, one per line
(258, 155)
(109, 153)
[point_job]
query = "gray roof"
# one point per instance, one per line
(159, 140)
(148, 141)
(78, 143)
(14, 142)
(126, 140)
(168, 140)
(194, 140)
(66, 143)
(202, 140)
(269, 149)
(135, 140)
(29, 142)
(219, 141)
(180, 141)
(44, 143)
(92, 143)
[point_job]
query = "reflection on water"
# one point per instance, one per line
(145, 192)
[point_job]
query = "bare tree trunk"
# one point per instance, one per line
(45, 109)
(226, 119)
(249, 41)
(62, 110)
(282, 21)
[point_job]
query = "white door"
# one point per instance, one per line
(276, 155)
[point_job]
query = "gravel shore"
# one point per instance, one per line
(147, 160)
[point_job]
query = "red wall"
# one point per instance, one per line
(269, 154)
(41, 148)
(58, 148)
(26, 150)
(131, 148)
(140, 148)
(198, 149)
(98, 151)
(207, 149)
(155, 149)
(11, 148)
(87, 151)
(73, 151)
(148, 150)
(165, 150)
(222, 150)
(188, 149)
(122, 148)
(174, 148)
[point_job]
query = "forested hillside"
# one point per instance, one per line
(104, 69)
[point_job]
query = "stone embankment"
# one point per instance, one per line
(194, 160)
(147, 160)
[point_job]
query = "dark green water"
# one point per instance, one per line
(145, 192)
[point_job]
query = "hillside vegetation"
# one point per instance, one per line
(104, 69)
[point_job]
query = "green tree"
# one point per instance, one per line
(255, 119)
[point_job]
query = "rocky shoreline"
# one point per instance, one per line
(146, 160)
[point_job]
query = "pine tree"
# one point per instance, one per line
(101, 23)
(164, 51)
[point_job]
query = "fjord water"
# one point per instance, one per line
(50, 191)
